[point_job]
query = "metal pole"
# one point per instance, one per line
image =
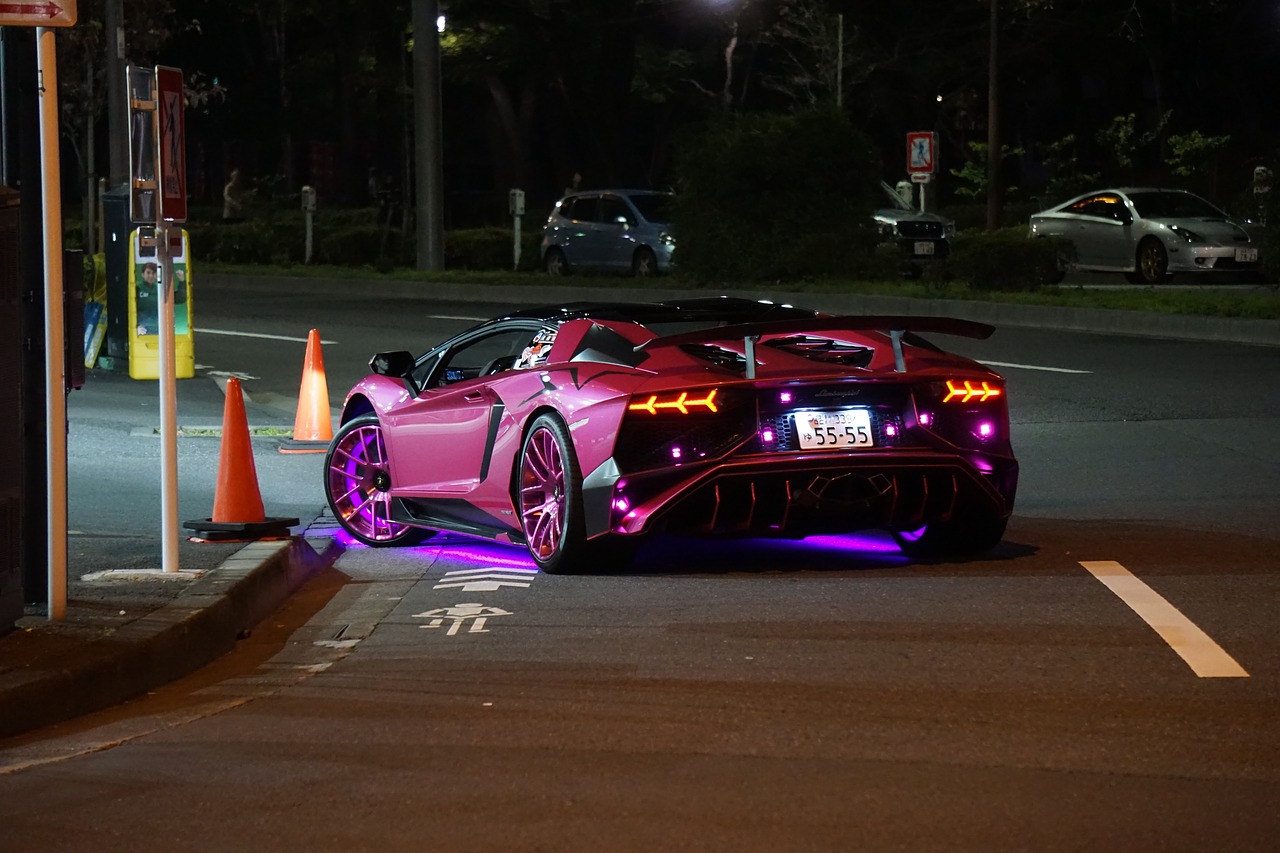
(993, 121)
(429, 177)
(117, 106)
(839, 61)
(55, 388)
(168, 399)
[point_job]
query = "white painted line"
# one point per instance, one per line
(1205, 657)
(458, 317)
(258, 335)
(1034, 367)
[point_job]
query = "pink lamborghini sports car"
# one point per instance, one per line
(576, 430)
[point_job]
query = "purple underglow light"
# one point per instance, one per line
(767, 436)
(986, 429)
(868, 542)
(785, 396)
(926, 418)
(487, 555)
(676, 453)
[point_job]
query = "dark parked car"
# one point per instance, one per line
(609, 231)
(575, 428)
(1149, 234)
(921, 236)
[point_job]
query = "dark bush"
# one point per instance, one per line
(765, 197)
(1006, 259)
(490, 249)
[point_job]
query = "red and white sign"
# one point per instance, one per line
(38, 13)
(173, 144)
(922, 153)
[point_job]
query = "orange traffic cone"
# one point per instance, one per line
(237, 501)
(313, 425)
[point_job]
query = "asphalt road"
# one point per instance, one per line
(1108, 678)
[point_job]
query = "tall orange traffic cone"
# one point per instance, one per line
(237, 501)
(313, 424)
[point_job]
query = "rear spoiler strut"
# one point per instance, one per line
(897, 327)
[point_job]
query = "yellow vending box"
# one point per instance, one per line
(145, 276)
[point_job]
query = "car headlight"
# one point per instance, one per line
(1186, 234)
(666, 238)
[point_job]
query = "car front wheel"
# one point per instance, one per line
(357, 483)
(1152, 263)
(549, 486)
(645, 263)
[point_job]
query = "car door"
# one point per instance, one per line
(617, 242)
(581, 235)
(1101, 232)
(440, 442)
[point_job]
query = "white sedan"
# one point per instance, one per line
(1150, 234)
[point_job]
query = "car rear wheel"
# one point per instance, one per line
(954, 538)
(1152, 263)
(549, 486)
(554, 263)
(357, 484)
(644, 263)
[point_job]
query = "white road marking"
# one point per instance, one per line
(458, 317)
(258, 335)
(1034, 367)
(486, 580)
(475, 612)
(1205, 657)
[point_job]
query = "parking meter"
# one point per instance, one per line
(308, 211)
(515, 206)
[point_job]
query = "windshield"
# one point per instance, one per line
(655, 207)
(1173, 205)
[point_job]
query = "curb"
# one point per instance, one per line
(194, 629)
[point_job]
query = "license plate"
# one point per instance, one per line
(828, 430)
(924, 247)
(1246, 256)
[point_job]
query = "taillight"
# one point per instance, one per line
(681, 402)
(966, 412)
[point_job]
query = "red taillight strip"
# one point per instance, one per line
(681, 404)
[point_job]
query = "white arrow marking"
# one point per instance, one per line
(486, 580)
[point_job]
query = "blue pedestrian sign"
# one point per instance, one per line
(921, 147)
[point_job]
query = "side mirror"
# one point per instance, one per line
(394, 364)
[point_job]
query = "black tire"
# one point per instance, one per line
(554, 262)
(1151, 263)
(644, 263)
(549, 498)
(357, 484)
(952, 539)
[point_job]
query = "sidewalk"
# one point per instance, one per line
(127, 631)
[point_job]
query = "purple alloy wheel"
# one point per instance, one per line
(543, 501)
(359, 484)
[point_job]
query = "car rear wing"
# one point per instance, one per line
(896, 327)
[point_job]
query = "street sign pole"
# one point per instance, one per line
(171, 206)
(55, 389)
(154, 155)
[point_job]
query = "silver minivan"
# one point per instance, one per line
(610, 231)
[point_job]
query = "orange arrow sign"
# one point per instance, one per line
(46, 14)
